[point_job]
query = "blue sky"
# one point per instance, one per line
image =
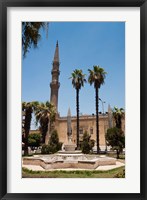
(81, 45)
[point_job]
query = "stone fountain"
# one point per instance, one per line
(69, 157)
(68, 160)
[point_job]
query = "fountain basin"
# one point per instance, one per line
(62, 161)
(69, 147)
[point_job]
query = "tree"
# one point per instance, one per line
(34, 140)
(31, 34)
(96, 77)
(54, 144)
(116, 139)
(78, 80)
(118, 115)
(45, 115)
(28, 108)
(87, 144)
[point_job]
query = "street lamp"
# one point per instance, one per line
(102, 104)
(104, 121)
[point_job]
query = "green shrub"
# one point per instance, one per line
(45, 149)
(87, 144)
(92, 142)
(54, 144)
(34, 140)
(116, 139)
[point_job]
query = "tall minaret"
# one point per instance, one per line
(55, 79)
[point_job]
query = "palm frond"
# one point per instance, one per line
(78, 78)
(96, 76)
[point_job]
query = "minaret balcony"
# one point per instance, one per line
(54, 84)
(55, 71)
(55, 63)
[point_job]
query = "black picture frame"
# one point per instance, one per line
(4, 4)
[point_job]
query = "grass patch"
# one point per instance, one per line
(23, 156)
(26, 173)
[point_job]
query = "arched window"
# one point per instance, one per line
(91, 130)
(81, 131)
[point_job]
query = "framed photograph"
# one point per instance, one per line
(51, 149)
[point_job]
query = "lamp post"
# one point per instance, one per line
(104, 120)
(102, 105)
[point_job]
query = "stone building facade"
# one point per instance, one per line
(87, 123)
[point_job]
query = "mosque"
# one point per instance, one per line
(86, 122)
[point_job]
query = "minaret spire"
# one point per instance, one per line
(54, 85)
(56, 55)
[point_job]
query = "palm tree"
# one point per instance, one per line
(96, 77)
(118, 114)
(78, 80)
(45, 115)
(31, 34)
(27, 108)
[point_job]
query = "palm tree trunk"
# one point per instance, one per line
(118, 125)
(27, 130)
(47, 134)
(77, 101)
(117, 152)
(44, 130)
(97, 119)
(26, 144)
